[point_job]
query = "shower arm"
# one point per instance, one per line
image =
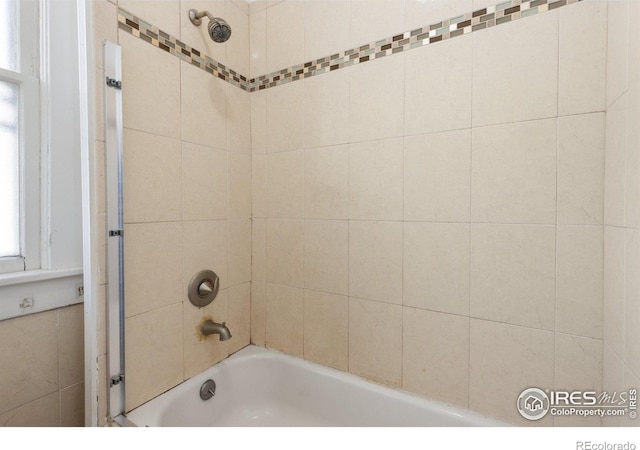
(196, 17)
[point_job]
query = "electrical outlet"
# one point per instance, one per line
(26, 303)
(80, 290)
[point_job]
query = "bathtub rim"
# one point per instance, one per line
(253, 351)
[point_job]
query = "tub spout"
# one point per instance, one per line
(210, 327)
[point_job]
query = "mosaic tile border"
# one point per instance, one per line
(164, 41)
(481, 19)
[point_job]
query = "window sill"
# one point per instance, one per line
(36, 291)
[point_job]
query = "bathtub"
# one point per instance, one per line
(257, 387)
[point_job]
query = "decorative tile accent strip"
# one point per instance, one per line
(457, 26)
(158, 38)
(481, 19)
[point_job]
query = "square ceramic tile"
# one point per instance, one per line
(150, 88)
(258, 250)
(204, 247)
(284, 323)
(258, 121)
(437, 92)
(284, 252)
(583, 58)
(71, 345)
(239, 316)
(238, 114)
(435, 355)
(372, 354)
(581, 153)
(29, 356)
(239, 251)
(259, 185)
(578, 367)
(258, 312)
(258, 43)
(374, 19)
(153, 177)
(285, 35)
(632, 161)
(376, 99)
(204, 183)
(326, 182)
(375, 180)
(285, 184)
(105, 27)
(614, 284)
(436, 266)
(154, 353)
(164, 14)
(203, 100)
(326, 256)
(634, 42)
(375, 261)
(327, 27)
(632, 301)
(326, 329)
(44, 412)
(615, 156)
(578, 363)
(238, 48)
(514, 173)
(72, 406)
(513, 274)
(437, 177)
(612, 380)
(504, 361)
(285, 117)
(580, 281)
(326, 109)
(617, 49)
(239, 187)
(519, 82)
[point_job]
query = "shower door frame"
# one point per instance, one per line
(112, 86)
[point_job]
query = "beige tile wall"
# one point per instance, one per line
(187, 150)
(42, 369)
(433, 220)
(622, 196)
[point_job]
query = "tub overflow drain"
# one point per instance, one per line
(208, 390)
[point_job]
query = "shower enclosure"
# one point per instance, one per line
(417, 193)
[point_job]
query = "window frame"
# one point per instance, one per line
(27, 78)
(52, 78)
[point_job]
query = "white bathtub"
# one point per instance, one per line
(260, 387)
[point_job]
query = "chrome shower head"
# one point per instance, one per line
(219, 29)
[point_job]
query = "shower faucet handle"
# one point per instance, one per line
(203, 288)
(207, 287)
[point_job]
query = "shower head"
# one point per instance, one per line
(219, 29)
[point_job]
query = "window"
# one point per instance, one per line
(40, 170)
(19, 136)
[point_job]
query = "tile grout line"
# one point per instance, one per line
(446, 29)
